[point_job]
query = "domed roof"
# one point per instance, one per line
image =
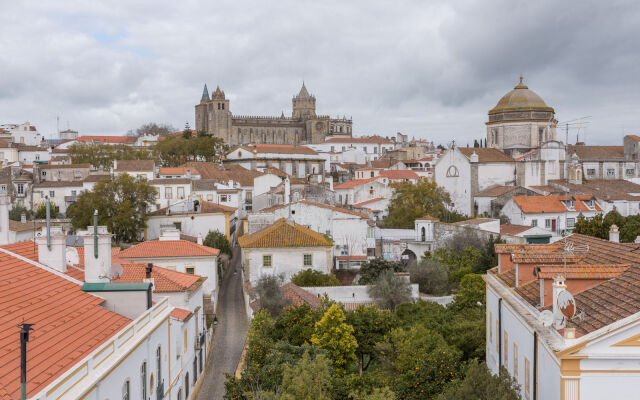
(521, 98)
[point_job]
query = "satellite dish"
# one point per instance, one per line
(546, 318)
(567, 304)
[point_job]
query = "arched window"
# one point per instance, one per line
(186, 385)
(424, 234)
(159, 364)
(180, 394)
(452, 172)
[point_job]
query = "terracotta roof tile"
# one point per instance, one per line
(167, 248)
(278, 149)
(108, 139)
(165, 280)
(504, 248)
(496, 191)
(227, 173)
(181, 314)
(540, 204)
(135, 165)
(527, 257)
(601, 251)
(399, 174)
(606, 189)
(69, 323)
(64, 166)
(178, 171)
(486, 154)
(354, 183)
(597, 152)
(581, 271)
(299, 296)
(320, 205)
(364, 203)
(511, 229)
(363, 139)
(530, 292)
(284, 234)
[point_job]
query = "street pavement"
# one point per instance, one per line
(230, 333)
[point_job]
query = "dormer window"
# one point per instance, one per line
(570, 204)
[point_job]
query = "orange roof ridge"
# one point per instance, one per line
(165, 280)
(284, 234)
(167, 248)
(42, 266)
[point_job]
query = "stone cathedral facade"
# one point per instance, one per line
(214, 116)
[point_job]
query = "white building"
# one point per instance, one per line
(373, 147)
(28, 155)
(465, 171)
(22, 133)
(135, 168)
(566, 334)
(171, 191)
(284, 248)
(60, 193)
(361, 190)
(192, 220)
(553, 213)
(297, 161)
(178, 255)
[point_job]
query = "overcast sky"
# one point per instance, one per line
(430, 69)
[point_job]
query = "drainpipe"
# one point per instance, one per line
(48, 216)
(95, 233)
(499, 334)
(535, 365)
(24, 338)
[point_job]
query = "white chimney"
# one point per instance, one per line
(169, 233)
(97, 269)
(199, 238)
(287, 191)
(614, 234)
(4, 218)
(23, 218)
(558, 286)
(474, 157)
(54, 254)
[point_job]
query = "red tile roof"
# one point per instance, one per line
(503, 248)
(165, 280)
(582, 271)
(278, 149)
(486, 154)
(69, 323)
(216, 173)
(354, 183)
(178, 171)
(496, 191)
(511, 229)
(597, 152)
(108, 139)
(284, 234)
(364, 203)
(181, 314)
(167, 248)
(351, 258)
(135, 165)
(399, 174)
(551, 204)
(299, 296)
(364, 139)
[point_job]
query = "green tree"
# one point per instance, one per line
(336, 337)
(613, 217)
(296, 324)
(16, 211)
(177, 150)
(431, 277)
(219, 241)
(155, 129)
(41, 211)
(259, 340)
(269, 296)
(480, 384)
(309, 379)
(631, 229)
(413, 201)
(390, 290)
(101, 155)
(371, 269)
(370, 325)
(417, 362)
(383, 393)
(121, 201)
(471, 292)
(592, 227)
(310, 277)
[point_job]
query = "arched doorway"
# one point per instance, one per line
(408, 258)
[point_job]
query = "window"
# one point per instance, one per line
(168, 193)
(186, 340)
(20, 188)
(38, 157)
(527, 371)
(547, 223)
(125, 390)
(52, 193)
(571, 222)
(159, 364)
(180, 394)
(534, 222)
(372, 174)
(452, 172)
(591, 171)
(630, 171)
(186, 386)
(343, 148)
(178, 226)
(506, 350)
(195, 368)
(365, 149)
(190, 270)
(497, 334)
(180, 192)
(515, 361)
(266, 261)
(540, 135)
(371, 191)
(44, 173)
(611, 172)
(223, 198)
(333, 149)
(74, 192)
(143, 380)
(307, 259)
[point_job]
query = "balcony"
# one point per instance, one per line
(70, 199)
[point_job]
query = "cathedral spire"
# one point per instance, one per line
(205, 93)
(303, 91)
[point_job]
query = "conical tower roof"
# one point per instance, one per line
(303, 94)
(205, 93)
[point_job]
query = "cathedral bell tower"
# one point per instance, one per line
(213, 115)
(304, 105)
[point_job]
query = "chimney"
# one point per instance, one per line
(4, 218)
(637, 239)
(558, 286)
(473, 157)
(52, 250)
(23, 218)
(97, 253)
(199, 238)
(287, 191)
(188, 174)
(614, 234)
(147, 271)
(169, 233)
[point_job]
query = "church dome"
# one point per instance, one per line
(521, 98)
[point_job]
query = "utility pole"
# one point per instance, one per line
(24, 338)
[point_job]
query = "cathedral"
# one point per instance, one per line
(520, 122)
(214, 116)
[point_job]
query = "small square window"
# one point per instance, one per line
(266, 261)
(308, 260)
(534, 222)
(178, 225)
(190, 270)
(52, 194)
